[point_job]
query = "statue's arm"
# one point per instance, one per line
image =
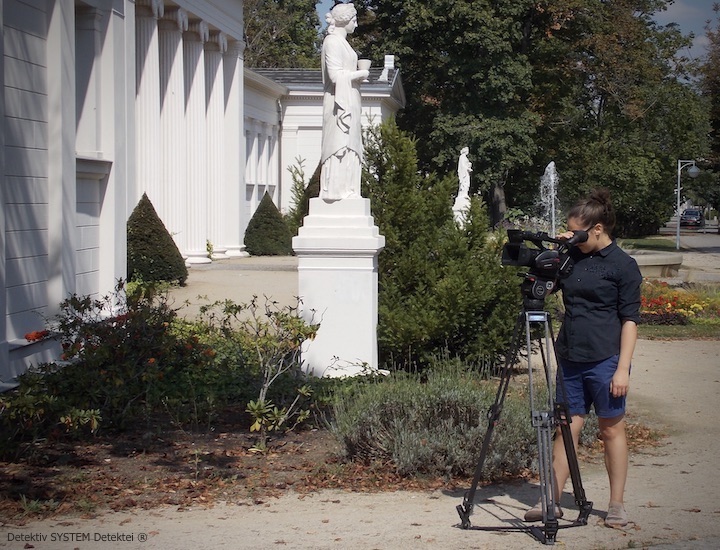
(334, 51)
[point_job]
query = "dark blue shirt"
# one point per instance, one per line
(601, 292)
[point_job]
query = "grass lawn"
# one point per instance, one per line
(653, 242)
(679, 332)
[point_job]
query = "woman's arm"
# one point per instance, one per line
(621, 380)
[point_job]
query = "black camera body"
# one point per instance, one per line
(547, 265)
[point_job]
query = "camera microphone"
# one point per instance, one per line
(577, 238)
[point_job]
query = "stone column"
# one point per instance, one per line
(273, 164)
(215, 47)
(246, 191)
(251, 168)
(195, 147)
(172, 124)
(147, 106)
(337, 248)
(88, 48)
(234, 150)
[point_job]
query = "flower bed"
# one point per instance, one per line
(662, 304)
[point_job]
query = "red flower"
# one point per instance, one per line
(36, 335)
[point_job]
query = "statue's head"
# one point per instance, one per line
(464, 151)
(340, 15)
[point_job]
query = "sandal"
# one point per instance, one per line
(616, 516)
(536, 513)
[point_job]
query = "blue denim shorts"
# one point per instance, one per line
(588, 384)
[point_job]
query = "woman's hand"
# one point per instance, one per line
(362, 74)
(620, 383)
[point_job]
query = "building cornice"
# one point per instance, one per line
(221, 15)
(263, 84)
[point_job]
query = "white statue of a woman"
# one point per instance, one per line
(342, 149)
(462, 201)
(464, 168)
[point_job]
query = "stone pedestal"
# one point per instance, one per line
(337, 249)
(460, 209)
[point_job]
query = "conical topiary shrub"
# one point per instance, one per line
(267, 234)
(152, 255)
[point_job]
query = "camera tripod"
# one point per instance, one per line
(545, 418)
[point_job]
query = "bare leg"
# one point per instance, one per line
(560, 461)
(612, 431)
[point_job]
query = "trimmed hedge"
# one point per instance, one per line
(152, 254)
(267, 234)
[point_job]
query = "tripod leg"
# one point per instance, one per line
(585, 506)
(562, 417)
(465, 509)
(545, 422)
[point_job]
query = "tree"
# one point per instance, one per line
(281, 33)
(301, 194)
(710, 81)
(590, 84)
(468, 81)
(267, 234)
(628, 112)
(152, 255)
(441, 288)
(707, 188)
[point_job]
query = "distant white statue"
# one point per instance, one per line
(464, 168)
(342, 149)
(462, 201)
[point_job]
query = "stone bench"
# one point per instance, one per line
(656, 264)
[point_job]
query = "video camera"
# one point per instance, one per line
(547, 265)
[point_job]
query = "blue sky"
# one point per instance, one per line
(322, 8)
(689, 14)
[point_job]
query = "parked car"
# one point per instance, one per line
(692, 217)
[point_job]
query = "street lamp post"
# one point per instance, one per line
(693, 173)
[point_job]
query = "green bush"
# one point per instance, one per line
(270, 339)
(441, 287)
(152, 254)
(301, 195)
(130, 359)
(435, 427)
(267, 234)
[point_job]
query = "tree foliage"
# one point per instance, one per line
(628, 112)
(301, 194)
(152, 254)
(596, 86)
(267, 234)
(440, 287)
(467, 77)
(281, 33)
(706, 188)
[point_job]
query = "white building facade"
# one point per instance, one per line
(105, 100)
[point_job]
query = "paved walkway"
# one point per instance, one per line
(275, 277)
(239, 280)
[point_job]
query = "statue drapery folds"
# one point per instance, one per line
(342, 149)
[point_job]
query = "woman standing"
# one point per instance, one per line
(596, 343)
(342, 150)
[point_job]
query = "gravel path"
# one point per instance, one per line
(671, 495)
